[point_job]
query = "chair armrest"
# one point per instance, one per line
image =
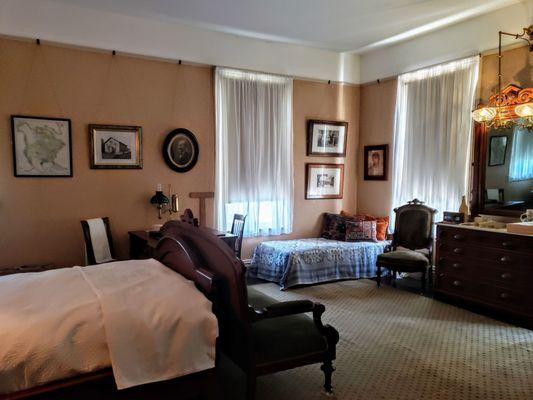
(281, 309)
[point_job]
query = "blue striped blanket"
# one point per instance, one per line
(306, 261)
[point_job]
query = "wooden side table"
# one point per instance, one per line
(142, 245)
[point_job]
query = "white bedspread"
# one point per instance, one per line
(144, 320)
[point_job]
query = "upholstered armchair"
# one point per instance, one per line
(413, 231)
(256, 332)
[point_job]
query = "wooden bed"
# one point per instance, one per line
(171, 252)
(250, 324)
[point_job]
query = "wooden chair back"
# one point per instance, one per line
(237, 229)
(414, 226)
(88, 242)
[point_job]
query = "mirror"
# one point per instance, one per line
(508, 182)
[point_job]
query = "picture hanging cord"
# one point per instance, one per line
(39, 52)
(113, 68)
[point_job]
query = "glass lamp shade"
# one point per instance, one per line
(484, 114)
(524, 110)
(159, 198)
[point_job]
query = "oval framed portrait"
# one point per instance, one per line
(180, 150)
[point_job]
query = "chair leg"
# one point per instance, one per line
(393, 278)
(328, 369)
(423, 282)
(378, 276)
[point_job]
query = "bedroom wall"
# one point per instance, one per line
(39, 217)
(377, 117)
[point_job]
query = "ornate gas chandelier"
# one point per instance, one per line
(513, 105)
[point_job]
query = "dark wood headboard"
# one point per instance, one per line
(176, 255)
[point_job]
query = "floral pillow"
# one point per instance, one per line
(382, 223)
(360, 230)
(334, 227)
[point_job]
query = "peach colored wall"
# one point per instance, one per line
(39, 217)
(516, 69)
(376, 127)
(378, 102)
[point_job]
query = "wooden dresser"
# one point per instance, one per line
(485, 268)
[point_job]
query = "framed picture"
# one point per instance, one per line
(115, 147)
(497, 150)
(180, 150)
(376, 162)
(42, 147)
(324, 181)
(326, 138)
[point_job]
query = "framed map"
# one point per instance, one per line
(42, 147)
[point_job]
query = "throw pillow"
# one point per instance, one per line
(334, 227)
(360, 230)
(382, 223)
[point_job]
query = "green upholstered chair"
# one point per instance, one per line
(413, 231)
(256, 332)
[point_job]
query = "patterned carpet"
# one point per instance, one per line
(399, 345)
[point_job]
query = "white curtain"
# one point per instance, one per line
(521, 165)
(433, 133)
(254, 151)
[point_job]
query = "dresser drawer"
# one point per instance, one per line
(495, 240)
(496, 257)
(520, 300)
(459, 286)
(480, 270)
(485, 293)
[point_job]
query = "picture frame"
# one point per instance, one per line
(326, 138)
(376, 162)
(497, 150)
(181, 150)
(115, 146)
(324, 181)
(42, 147)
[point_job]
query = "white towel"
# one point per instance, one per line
(98, 234)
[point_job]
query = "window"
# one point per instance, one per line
(432, 135)
(254, 167)
(521, 166)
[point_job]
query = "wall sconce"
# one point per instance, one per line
(163, 203)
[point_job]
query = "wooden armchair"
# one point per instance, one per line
(259, 334)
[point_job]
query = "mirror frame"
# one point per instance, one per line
(506, 101)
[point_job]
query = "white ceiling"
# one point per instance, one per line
(338, 25)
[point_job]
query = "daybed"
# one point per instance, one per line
(307, 261)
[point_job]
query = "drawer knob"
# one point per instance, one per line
(456, 265)
(458, 236)
(506, 275)
(504, 295)
(507, 245)
(505, 259)
(457, 250)
(456, 283)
